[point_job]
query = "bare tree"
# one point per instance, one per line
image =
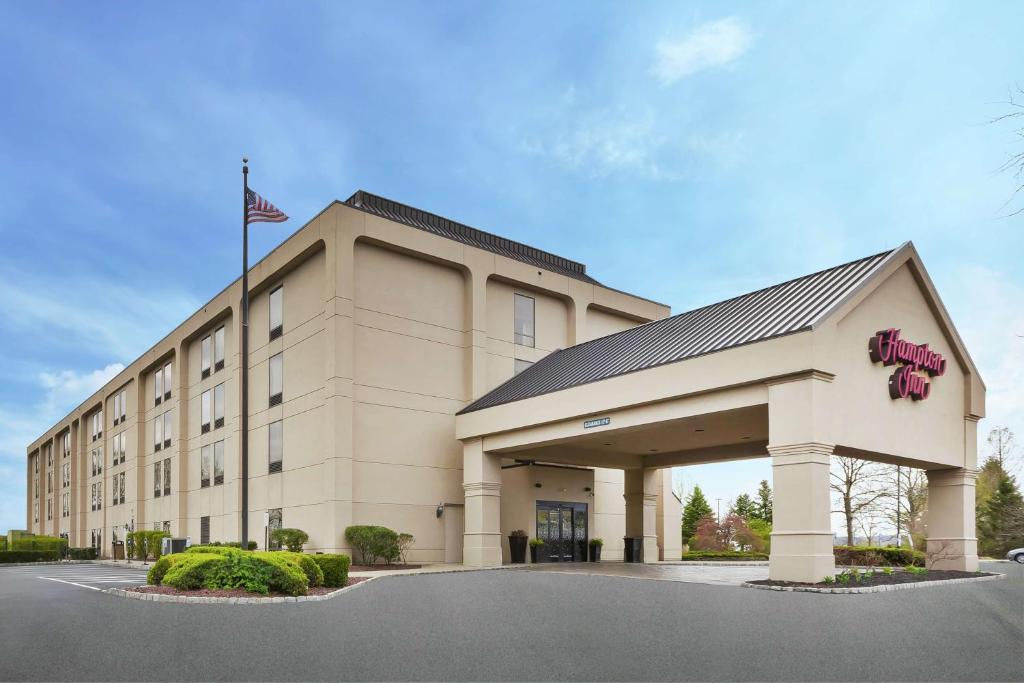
(859, 487)
(1014, 164)
(908, 505)
(1003, 444)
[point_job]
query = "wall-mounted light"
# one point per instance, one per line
(440, 510)
(537, 485)
(587, 489)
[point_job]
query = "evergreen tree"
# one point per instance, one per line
(763, 505)
(1001, 519)
(744, 506)
(697, 508)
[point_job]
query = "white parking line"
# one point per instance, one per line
(70, 583)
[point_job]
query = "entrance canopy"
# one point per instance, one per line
(861, 359)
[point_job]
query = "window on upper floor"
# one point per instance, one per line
(158, 433)
(205, 351)
(158, 470)
(167, 477)
(65, 475)
(168, 383)
(96, 424)
(277, 312)
(204, 411)
(66, 445)
(521, 365)
(35, 464)
(275, 447)
(218, 406)
(65, 505)
(218, 349)
(117, 409)
(113, 490)
(205, 454)
(49, 509)
(524, 320)
(168, 428)
(35, 511)
(276, 365)
(158, 386)
(218, 462)
(123, 415)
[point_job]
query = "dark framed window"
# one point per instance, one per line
(275, 447)
(158, 433)
(525, 308)
(218, 349)
(276, 366)
(204, 530)
(204, 465)
(168, 428)
(157, 471)
(218, 406)
(276, 312)
(218, 463)
(205, 351)
(205, 409)
(167, 380)
(167, 477)
(158, 386)
(274, 521)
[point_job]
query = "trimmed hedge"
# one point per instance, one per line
(156, 573)
(875, 556)
(373, 543)
(309, 567)
(191, 570)
(12, 556)
(334, 568)
(82, 553)
(54, 543)
(723, 555)
(147, 544)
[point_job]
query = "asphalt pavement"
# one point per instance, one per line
(518, 625)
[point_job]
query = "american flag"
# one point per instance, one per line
(259, 210)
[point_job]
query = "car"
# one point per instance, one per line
(1016, 555)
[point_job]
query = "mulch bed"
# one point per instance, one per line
(235, 592)
(880, 579)
(381, 567)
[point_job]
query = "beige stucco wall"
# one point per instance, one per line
(388, 331)
(519, 496)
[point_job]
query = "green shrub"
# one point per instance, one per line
(215, 549)
(334, 568)
(309, 567)
(284, 576)
(3, 544)
(292, 539)
(82, 553)
(722, 555)
(190, 571)
(48, 543)
(373, 543)
(875, 556)
(240, 570)
(536, 542)
(156, 573)
(12, 556)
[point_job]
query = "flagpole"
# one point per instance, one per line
(245, 355)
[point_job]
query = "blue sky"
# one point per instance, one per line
(685, 152)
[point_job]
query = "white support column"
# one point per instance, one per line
(801, 524)
(481, 476)
(951, 526)
(641, 494)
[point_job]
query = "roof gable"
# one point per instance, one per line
(782, 309)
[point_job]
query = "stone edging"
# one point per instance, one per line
(44, 564)
(874, 589)
(202, 600)
(713, 563)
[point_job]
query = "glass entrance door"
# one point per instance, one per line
(563, 528)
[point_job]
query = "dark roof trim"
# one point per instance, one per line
(445, 227)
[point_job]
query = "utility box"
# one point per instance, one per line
(169, 545)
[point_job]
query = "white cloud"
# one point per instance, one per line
(67, 388)
(711, 44)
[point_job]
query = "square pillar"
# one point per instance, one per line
(481, 477)
(951, 526)
(801, 525)
(641, 494)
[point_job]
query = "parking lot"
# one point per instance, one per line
(512, 625)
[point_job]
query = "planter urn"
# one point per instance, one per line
(595, 553)
(533, 553)
(517, 549)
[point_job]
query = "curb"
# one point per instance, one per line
(713, 563)
(873, 589)
(45, 564)
(198, 600)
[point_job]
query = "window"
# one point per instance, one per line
(65, 476)
(524, 309)
(124, 405)
(276, 312)
(205, 353)
(121, 487)
(158, 386)
(96, 460)
(113, 490)
(276, 446)
(35, 464)
(65, 505)
(121, 447)
(205, 453)
(167, 527)
(67, 445)
(35, 486)
(276, 379)
(218, 349)
(167, 477)
(96, 490)
(158, 433)
(157, 471)
(96, 423)
(49, 509)
(205, 411)
(204, 530)
(218, 406)
(167, 381)
(168, 428)
(35, 511)
(49, 481)
(274, 521)
(521, 365)
(218, 463)
(117, 408)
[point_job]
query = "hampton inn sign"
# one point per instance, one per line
(887, 348)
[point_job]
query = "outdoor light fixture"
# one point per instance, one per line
(440, 510)
(587, 489)
(537, 485)
(698, 430)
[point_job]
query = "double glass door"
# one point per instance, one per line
(563, 528)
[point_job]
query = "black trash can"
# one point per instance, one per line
(634, 550)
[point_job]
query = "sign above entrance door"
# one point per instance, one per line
(599, 422)
(887, 348)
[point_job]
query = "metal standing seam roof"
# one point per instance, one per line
(438, 225)
(779, 310)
